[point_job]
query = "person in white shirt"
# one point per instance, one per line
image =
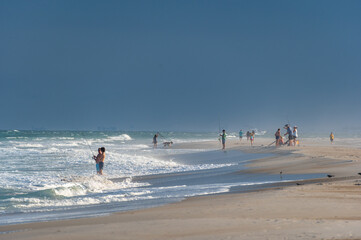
(295, 135)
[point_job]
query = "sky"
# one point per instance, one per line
(180, 65)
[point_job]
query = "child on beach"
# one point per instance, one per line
(332, 137)
(281, 142)
(251, 137)
(223, 135)
(248, 135)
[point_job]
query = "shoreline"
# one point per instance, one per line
(291, 160)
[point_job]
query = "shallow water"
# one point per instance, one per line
(50, 175)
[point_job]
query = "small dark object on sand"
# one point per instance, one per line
(298, 184)
(330, 176)
(359, 173)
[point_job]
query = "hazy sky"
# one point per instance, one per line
(180, 65)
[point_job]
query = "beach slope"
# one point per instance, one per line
(327, 208)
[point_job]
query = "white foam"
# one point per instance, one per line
(39, 165)
(122, 137)
(29, 145)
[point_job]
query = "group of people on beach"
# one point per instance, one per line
(292, 136)
(99, 159)
(250, 136)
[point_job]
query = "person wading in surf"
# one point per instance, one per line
(99, 160)
(155, 141)
(223, 135)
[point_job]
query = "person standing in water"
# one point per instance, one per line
(240, 135)
(155, 141)
(223, 135)
(332, 137)
(99, 160)
(97, 157)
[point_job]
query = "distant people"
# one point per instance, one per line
(223, 136)
(251, 137)
(99, 160)
(248, 135)
(240, 135)
(332, 137)
(278, 137)
(155, 140)
(295, 136)
(289, 133)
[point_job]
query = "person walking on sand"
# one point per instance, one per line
(155, 141)
(223, 136)
(248, 135)
(251, 137)
(332, 137)
(99, 160)
(289, 133)
(240, 135)
(278, 137)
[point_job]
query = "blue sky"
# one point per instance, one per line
(180, 65)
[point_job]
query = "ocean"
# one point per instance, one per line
(50, 175)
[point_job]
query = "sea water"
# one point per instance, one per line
(48, 175)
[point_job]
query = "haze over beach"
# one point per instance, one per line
(113, 111)
(180, 65)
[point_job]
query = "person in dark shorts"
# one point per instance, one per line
(101, 163)
(278, 137)
(248, 135)
(289, 133)
(99, 160)
(223, 135)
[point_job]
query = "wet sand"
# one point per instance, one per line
(326, 208)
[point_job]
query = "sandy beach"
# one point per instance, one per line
(325, 208)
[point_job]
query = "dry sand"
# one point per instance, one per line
(328, 208)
